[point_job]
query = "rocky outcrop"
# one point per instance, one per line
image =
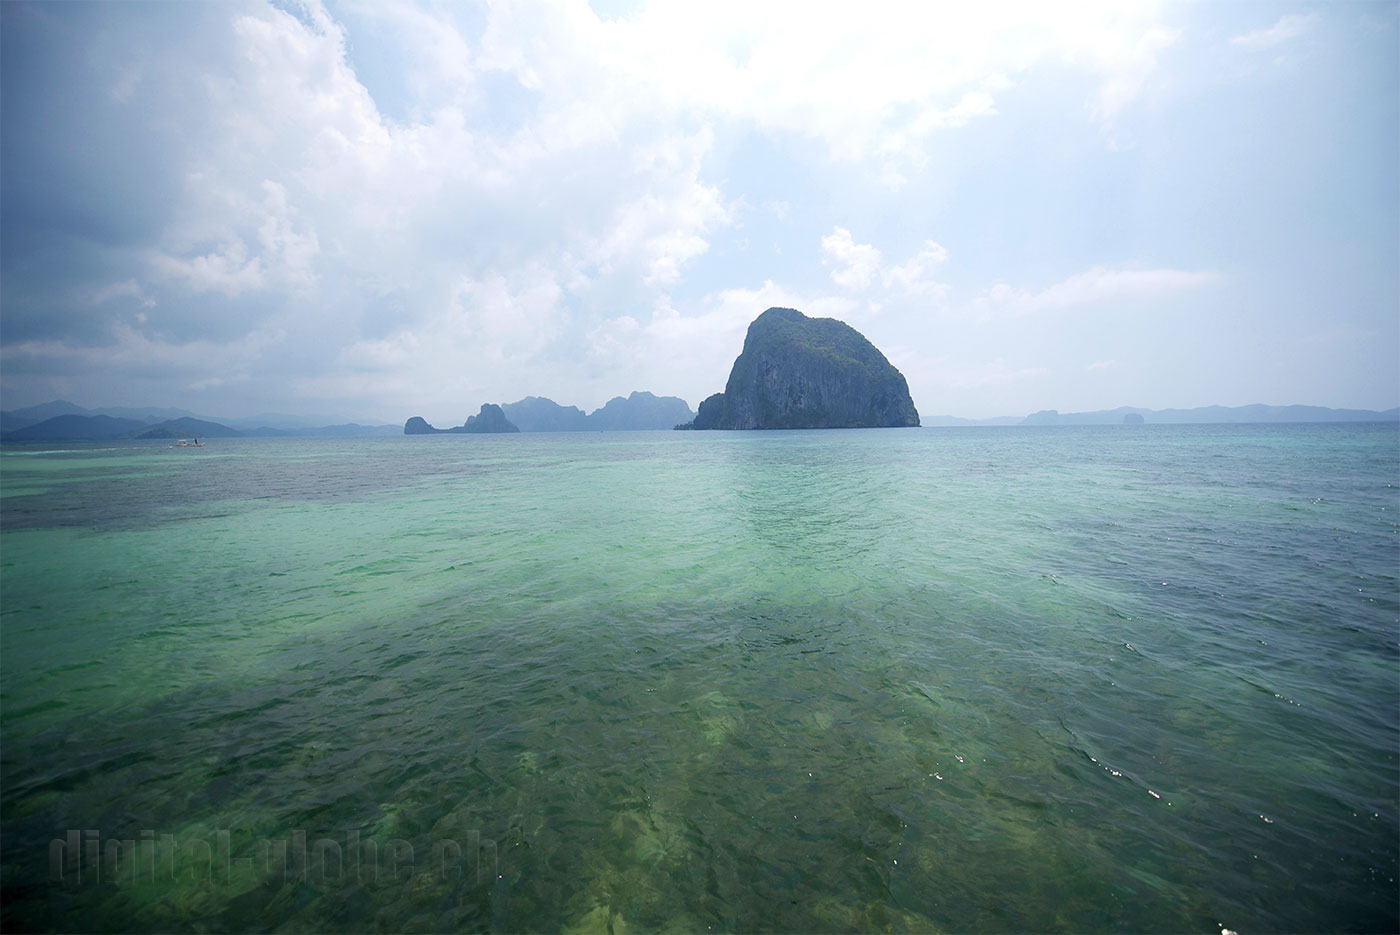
(639, 411)
(797, 372)
(489, 420)
(540, 414)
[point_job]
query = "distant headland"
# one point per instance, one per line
(796, 372)
(640, 411)
(1202, 415)
(489, 421)
(65, 422)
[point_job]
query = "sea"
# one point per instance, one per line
(1052, 679)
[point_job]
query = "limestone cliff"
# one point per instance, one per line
(489, 420)
(797, 372)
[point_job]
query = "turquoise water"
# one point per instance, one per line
(1139, 678)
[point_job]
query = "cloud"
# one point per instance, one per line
(856, 267)
(382, 242)
(539, 200)
(878, 82)
(1289, 26)
(227, 269)
(915, 275)
(127, 288)
(136, 358)
(1126, 67)
(853, 265)
(1096, 286)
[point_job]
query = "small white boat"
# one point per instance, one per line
(187, 443)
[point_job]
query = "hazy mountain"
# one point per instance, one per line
(268, 424)
(189, 428)
(72, 427)
(346, 430)
(640, 411)
(489, 421)
(32, 415)
(147, 414)
(539, 414)
(950, 421)
(1212, 414)
(14, 419)
(281, 420)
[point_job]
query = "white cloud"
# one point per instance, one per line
(227, 269)
(508, 318)
(419, 240)
(135, 357)
(876, 81)
(665, 228)
(856, 266)
(1095, 286)
(129, 288)
(483, 341)
(1289, 26)
(853, 265)
(235, 220)
(527, 222)
(915, 275)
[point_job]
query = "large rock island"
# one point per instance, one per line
(489, 420)
(797, 372)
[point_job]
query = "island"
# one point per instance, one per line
(489, 421)
(797, 372)
(640, 411)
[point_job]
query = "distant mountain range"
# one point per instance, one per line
(640, 411)
(1130, 415)
(1209, 414)
(64, 421)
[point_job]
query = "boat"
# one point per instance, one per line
(187, 443)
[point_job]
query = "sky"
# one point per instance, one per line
(383, 209)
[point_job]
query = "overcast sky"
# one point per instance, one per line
(384, 209)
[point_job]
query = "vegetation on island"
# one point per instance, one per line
(639, 411)
(489, 421)
(797, 372)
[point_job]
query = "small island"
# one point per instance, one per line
(797, 372)
(640, 411)
(489, 421)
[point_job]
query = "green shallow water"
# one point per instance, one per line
(1100, 679)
